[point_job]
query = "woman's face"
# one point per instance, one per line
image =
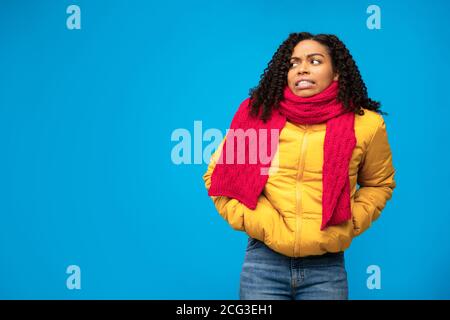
(311, 61)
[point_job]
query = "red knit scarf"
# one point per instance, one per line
(244, 181)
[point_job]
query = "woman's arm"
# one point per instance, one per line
(256, 223)
(376, 181)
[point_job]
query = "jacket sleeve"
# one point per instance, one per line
(376, 181)
(256, 223)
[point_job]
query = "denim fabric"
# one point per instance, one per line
(269, 275)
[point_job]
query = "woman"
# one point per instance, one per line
(301, 209)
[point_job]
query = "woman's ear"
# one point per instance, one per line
(336, 77)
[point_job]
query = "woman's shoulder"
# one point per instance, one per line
(367, 125)
(370, 119)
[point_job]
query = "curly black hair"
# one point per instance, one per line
(352, 90)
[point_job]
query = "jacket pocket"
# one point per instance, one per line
(360, 219)
(354, 224)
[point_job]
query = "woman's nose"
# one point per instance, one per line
(302, 68)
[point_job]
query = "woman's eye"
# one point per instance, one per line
(294, 64)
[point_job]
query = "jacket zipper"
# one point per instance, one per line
(301, 168)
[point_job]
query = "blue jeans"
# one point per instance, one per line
(269, 275)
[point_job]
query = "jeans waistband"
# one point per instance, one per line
(325, 255)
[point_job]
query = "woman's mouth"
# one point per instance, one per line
(304, 84)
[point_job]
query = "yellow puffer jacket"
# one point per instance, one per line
(289, 210)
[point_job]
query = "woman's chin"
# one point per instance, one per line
(304, 93)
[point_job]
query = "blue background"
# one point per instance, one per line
(86, 118)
